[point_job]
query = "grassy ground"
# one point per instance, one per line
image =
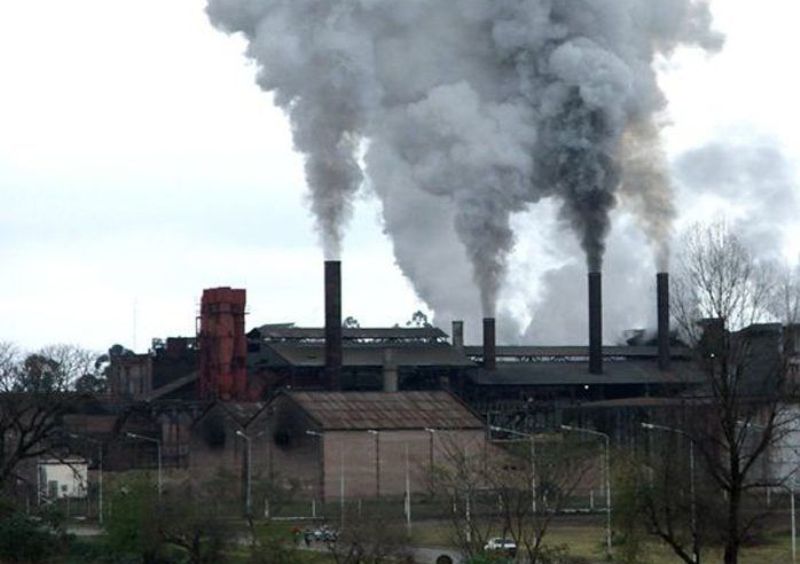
(583, 538)
(587, 540)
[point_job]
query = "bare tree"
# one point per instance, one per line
(458, 481)
(658, 494)
(717, 277)
(749, 415)
(785, 305)
(560, 465)
(510, 490)
(36, 390)
(743, 408)
(372, 537)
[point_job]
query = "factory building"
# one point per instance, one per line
(367, 444)
(332, 405)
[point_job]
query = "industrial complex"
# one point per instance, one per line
(313, 405)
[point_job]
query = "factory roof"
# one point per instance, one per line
(554, 373)
(577, 351)
(386, 410)
(647, 402)
(288, 332)
(371, 354)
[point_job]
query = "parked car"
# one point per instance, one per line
(498, 544)
(321, 534)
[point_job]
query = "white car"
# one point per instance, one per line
(501, 545)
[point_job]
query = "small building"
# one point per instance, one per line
(368, 444)
(130, 376)
(63, 477)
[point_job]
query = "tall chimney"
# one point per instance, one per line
(595, 323)
(458, 334)
(333, 324)
(662, 298)
(489, 349)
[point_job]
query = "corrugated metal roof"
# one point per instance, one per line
(577, 373)
(386, 410)
(372, 354)
(577, 351)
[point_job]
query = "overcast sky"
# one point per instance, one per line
(140, 163)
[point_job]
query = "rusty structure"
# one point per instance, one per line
(222, 345)
(595, 323)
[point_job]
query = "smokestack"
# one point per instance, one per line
(458, 334)
(595, 323)
(333, 324)
(662, 297)
(489, 350)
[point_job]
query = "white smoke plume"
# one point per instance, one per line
(485, 105)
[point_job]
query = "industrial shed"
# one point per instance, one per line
(362, 444)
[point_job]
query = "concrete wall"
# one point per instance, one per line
(283, 452)
(352, 454)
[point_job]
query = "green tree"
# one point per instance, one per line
(418, 319)
(26, 538)
(350, 322)
(132, 528)
(184, 521)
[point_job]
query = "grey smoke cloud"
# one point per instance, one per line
(485, 106)
(757, 179)
(318, 63)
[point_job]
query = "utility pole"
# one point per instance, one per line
(377, 461)
(408, 495)
(248, 499)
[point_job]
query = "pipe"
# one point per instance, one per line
(595, 323)
(662, 297)
(333, 324)
(489, 344)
